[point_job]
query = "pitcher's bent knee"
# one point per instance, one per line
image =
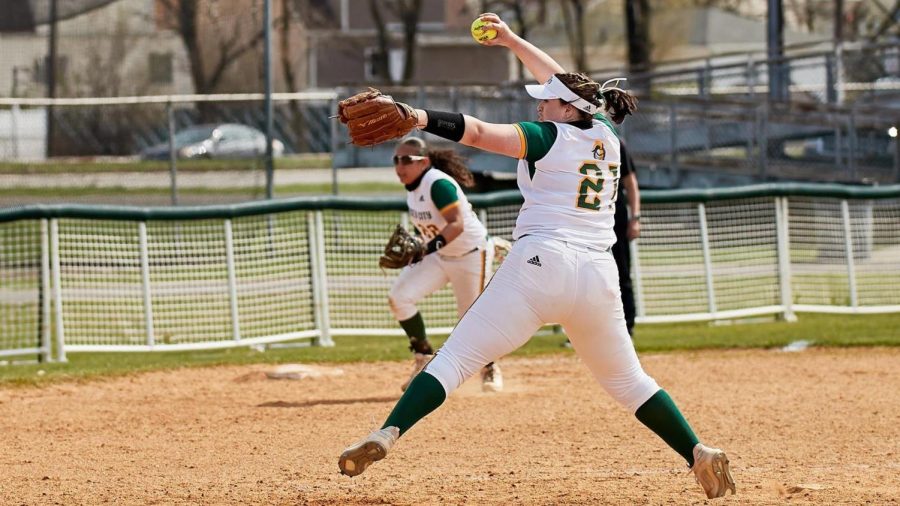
(448, 370)
(633, 391)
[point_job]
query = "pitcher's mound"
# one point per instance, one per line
(302, 371)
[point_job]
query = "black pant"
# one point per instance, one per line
(622, 254)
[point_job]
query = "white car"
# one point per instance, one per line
(223, 140)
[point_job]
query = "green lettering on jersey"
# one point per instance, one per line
(590, 187)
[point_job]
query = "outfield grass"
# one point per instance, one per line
(821, 330)
(70, 166)
(281, 191)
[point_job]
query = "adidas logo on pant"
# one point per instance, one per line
(535, 260)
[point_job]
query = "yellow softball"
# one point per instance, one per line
(480, 34)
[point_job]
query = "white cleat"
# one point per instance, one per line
(491, 378)
(712, 471)
(421, 360)
(358, 456)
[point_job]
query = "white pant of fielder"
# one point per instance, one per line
(467, 274)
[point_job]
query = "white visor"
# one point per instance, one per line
(554, 88)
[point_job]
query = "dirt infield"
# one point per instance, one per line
(815, 427)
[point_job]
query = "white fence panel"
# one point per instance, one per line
(299, 270)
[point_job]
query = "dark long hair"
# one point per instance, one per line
(619, 103)
(447, 161)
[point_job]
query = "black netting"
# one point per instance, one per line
(19, 15)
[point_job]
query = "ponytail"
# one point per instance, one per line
(620, 103)
(449, 162)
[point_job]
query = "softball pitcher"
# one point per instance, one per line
(460, 252)
(560, 269)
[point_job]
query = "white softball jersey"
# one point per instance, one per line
(465, 262)
(436, 192)
(560, 269)
(569, 177)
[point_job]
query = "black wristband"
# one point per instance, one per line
(449, 125)
(435, 244)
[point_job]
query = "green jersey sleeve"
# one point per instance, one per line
(537, 139)
(443, 194)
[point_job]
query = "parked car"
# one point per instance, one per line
(221, 140)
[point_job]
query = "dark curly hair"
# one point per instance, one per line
(619, 103)
(447, 161)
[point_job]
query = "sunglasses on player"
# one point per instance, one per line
(407, 159)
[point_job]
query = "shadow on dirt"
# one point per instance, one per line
(325, 402)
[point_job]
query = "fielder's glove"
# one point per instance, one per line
(401, 250)
(502, 248)
(373, 117)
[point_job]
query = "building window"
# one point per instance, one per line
(161, 68)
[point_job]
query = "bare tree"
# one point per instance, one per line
(381, 60)
(223, 43)
(526, 15)
(637, 29)
(409, 12)
(573, 19)
(888, 21)
(805, 13)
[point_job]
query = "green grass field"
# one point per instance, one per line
(821, 330)
(64, 166)
(281, 191)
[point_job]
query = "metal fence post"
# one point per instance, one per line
(783, 245)
(46, 346)
(830, 82)
(707, 259)
(317, 250)
(14, 132)
(57, 291)
(636, 278)
(314, 271)
(404, 219)
(173, 157)
(421, 96)
(703, 81)
(839, 73)
(454, 98)
(232, 282)
(145, 283)
(852, 140)
(673, 140)
(763, 138)
(848, 248)
(896, 155)
(838, 144)
(334, 144)
(751, 77)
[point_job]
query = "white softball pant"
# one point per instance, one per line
(467, 274)
(549, 281)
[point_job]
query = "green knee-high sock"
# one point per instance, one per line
(423, 396)
(661, 416)
(415, 330)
